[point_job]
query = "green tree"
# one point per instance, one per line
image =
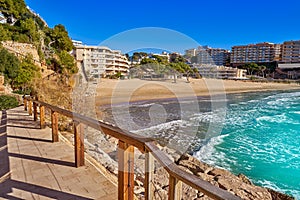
(7, 102)
(160, 59)
(4, 34)
(251, 68)
(13, 7)
(262, 69)
(9, 65)
(27, 72)
(28, 27)
(60, 40)
(183, 68)
(147, 61)
(67, 63)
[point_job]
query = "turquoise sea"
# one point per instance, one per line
(259, 137)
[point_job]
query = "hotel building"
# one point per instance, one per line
(100, 61)
(220, 72)
(255, 53)
(291, 52)
(205, 55)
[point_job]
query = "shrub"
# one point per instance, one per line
(7, 102)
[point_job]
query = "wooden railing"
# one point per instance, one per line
(127, 142)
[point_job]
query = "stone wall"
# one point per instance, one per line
(22, 49)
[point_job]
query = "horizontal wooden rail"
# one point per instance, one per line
(127, 141)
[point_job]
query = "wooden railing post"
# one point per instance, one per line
(25, 103)
(35, 113)
(125, 171)
(54, 122)
(29, 107)
(42, 116)
(149, 169)
(79, 144)
(175, 188)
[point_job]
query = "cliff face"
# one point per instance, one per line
(22, 49)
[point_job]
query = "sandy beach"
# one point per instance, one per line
(118, 91)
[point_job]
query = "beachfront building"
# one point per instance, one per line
(205, 55)
(220, 72)
(77, 43)
(255, 53)
(101, 61)
(291, 52)
(288, 70)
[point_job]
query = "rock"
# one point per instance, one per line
(160, 194)
(161, 177)
(206, 177)
(188, 192)
(185, 169)
(220, 172)
(193, 164)
(138, 183)
(241, 189)
(279, 196)
(139, 190)
(245, 179)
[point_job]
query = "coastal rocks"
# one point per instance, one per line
(104, 150)
(242, 189)
(239, 185)
(245, 179)
(279, 196)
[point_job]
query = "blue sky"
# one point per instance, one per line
(217, 23)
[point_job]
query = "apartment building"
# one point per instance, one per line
(205, 55)
(255, 53)
(101, 61)
(190, 52)
(220, 72)
(291, 52)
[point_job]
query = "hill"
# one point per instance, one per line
(29, 47)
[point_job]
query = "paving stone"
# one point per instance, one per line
(41, 169)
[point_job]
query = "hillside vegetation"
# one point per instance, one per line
(53, 46)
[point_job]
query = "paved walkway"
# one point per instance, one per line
(32, 167)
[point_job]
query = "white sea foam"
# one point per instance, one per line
(143, 105)
(163, 126)
(297, 112)
(207, 153)
(269, 184)
(276, 119)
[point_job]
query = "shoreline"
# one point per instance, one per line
(119, 92)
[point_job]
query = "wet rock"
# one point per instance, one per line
(279, 196)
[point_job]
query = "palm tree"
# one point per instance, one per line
(262, 68)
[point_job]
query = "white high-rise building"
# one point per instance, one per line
(101, 61)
